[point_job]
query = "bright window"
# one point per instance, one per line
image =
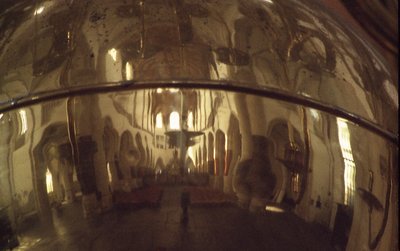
(159, 121)
(174, 121)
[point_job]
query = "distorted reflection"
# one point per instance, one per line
(274, 209)
(39, 10)
(129, 71)
(24, 125)
(159, 121)
(231, 158)
(190, 120)
(183, 125)
(49, 181)
(349, 165)
(113, 54)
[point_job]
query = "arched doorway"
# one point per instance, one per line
(53, 156)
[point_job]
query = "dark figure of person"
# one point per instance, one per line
(185, 201)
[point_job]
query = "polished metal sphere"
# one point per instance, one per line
(193, 125)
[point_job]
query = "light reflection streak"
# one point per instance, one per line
(24, 122)
(27, 243)
(274, 209)
(109, 172)
(128, 71)
(190, 152)
(39, 10)
(314, 114)
(349, 165)
(49, 181)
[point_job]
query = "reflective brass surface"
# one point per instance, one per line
(289, 46)
(193, 125)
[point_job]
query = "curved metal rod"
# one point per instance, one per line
(190, 84)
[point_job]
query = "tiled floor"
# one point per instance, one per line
(208, 228)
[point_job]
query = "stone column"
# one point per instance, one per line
(252, 124)
(86, 176)
(89, 128)
(240, 187)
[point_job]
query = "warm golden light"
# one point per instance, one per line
(49, 181)
(274, 209)
(128, 71)
(24, 122)
(174, 120)
(314, 114)
(190, 120)
(109, 173)
(113, 54)
(349, 165)
(159, 122)
(39, 10)
(190, 152)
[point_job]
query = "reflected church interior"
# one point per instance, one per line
(193, 125)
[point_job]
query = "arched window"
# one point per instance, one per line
(174, 121)
(159, 121)
(190, 120)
